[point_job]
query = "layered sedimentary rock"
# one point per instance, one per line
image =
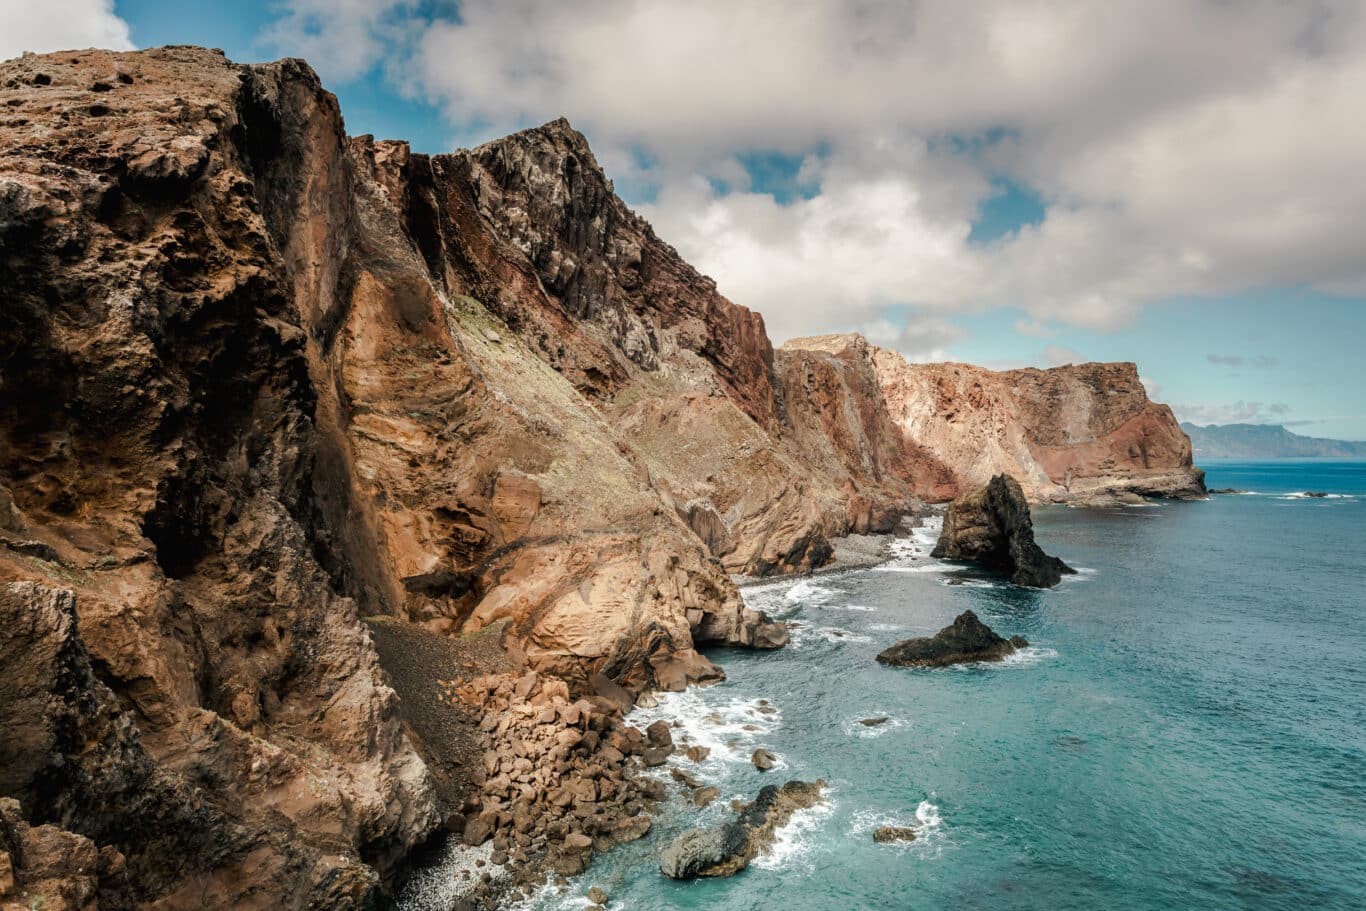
(964, 640)
(992, 526)
(1084, 433)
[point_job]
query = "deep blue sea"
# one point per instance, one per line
(1186, 731)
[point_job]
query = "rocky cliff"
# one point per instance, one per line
(1082, 434)
(260, 380)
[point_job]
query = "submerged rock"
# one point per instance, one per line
(888, 834)
(966, 639)
(992, 526)
(727, 849)
(874, 722)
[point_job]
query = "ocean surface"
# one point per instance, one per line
(1187, 729)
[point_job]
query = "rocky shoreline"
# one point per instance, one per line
(296, 405)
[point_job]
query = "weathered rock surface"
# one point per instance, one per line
(992, 526)
(885, 835)
(1067, 434)
(259, 379)
(966, 639)
(727, 849)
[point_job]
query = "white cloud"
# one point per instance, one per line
(1181, 147)
(1060, 356)
(1239, 412)
(1034, 328)
(59, 25)
(343, 39)
(1152, 387)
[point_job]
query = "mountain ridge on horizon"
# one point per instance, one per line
(1266, 441)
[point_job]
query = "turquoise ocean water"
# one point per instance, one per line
(1186, 731)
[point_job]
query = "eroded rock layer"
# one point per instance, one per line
(1084, 433)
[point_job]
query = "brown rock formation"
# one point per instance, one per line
(1081, 433)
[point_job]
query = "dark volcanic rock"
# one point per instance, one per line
(727, 849)
(992, 526)
(966, 639)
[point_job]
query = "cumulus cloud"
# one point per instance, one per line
(1035, 329)
(58, 25)
(343, 39)
(1180, 147)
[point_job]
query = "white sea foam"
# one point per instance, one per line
(803, 635)
(855, 727)
(927, 823)
(807, 591)
(925, 567)
(709, 719)
(968, 583)
(1304, 495)
(1029, 656)
(854, 607)
(793, 841)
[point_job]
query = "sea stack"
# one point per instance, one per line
(991, 526)
(965, 639)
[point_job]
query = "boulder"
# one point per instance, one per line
(697, 852)
(991, 526)
(763, 760)
(659, 735)
(888, 834)
(965, 639)
(726, 849)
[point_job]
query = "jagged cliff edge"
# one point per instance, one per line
(261, 379)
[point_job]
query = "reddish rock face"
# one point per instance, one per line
(1083, 433)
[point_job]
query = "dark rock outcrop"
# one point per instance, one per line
(964, 640)
(992, 526)
(727, 849)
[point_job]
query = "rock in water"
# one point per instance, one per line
(763, 760)
(727, 849)
(992, 526)
(887, 834)
(966, 639)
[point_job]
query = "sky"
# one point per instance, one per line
(1006, 182)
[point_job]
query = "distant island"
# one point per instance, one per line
(1266, 441)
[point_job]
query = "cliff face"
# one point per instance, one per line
(259, 380)
(1077, 433)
